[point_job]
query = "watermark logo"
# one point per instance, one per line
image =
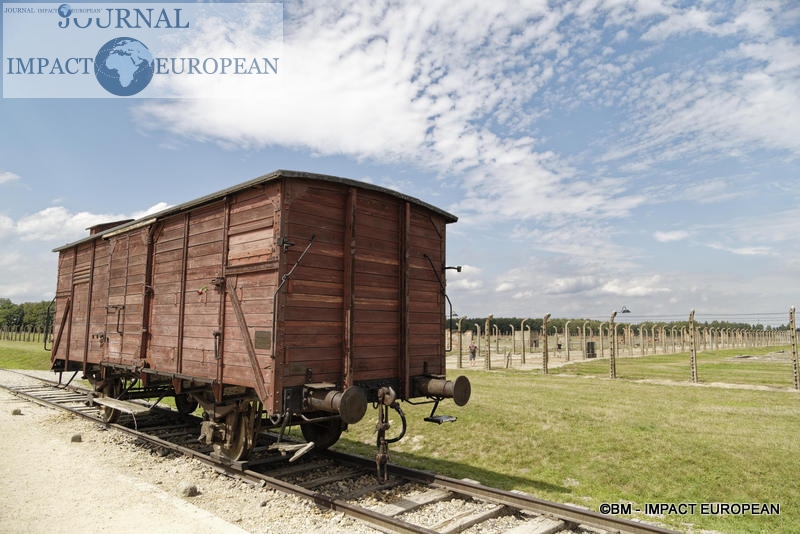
(95, 50)
(124, 66)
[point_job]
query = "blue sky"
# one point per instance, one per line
(599, 154)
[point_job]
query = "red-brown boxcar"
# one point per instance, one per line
(293, 298)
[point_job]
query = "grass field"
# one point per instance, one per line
(577, 437)
(587, 441)
(23, 355)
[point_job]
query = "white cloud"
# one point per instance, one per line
(6, 226)
(570, 285)
(674, 235)
(458, 88)
(742, 251)
(504, 286)
(27, 263)
(637, 287)
(7, 177)
(468, 280)
(155, 208)
(58, 225)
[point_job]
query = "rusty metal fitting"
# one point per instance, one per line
(350, 404)
(459, 389)
(386, 396)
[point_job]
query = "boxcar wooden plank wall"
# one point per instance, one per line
(169, 293)
(63, 305)
(311, 320)
(426, 300)
(99, 316)
(204, 257)
(377, 333)
(81, 296)
(193, 291)
(80, 312)
(126, 286)
(252, 269)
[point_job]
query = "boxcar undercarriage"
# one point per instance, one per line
(233, 415)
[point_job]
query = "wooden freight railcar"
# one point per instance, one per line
(290, 299)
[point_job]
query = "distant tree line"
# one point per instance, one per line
(504, 324)
(25, 316)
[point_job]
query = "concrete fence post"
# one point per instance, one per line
(793, 335)
(612, 331)
(478, 336)
(583, 340)
(544, 345)
(693, 358)
(522, 329)
(602, 346)
(460, 343)
(487, 331)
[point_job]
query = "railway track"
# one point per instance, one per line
(409, 501)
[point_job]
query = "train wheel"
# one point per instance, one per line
(323, 434)
(185, 404)
(111, 389)
(240, 429)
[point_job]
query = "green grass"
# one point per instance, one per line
(588, 441)
(576, 437)
(23, 355)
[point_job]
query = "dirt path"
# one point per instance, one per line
(105, 483)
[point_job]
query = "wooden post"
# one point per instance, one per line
(566, 338)
(693, 359)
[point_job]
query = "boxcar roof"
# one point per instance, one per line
(275, 175)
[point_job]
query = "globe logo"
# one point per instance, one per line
(65, 10)
(123, 66)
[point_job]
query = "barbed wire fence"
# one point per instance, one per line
(521, 345)
(23, 333)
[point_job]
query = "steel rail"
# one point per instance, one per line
(567, 513)
(323, 501)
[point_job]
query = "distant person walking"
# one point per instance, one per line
(473, 349)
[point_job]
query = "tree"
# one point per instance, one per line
(11, 315)
(35, 314)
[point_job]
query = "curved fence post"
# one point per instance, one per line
(522, 329)
(693, 358)
(544, 344)
(487, 331)
(793, 334)
(460, 343)
(612, 332)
